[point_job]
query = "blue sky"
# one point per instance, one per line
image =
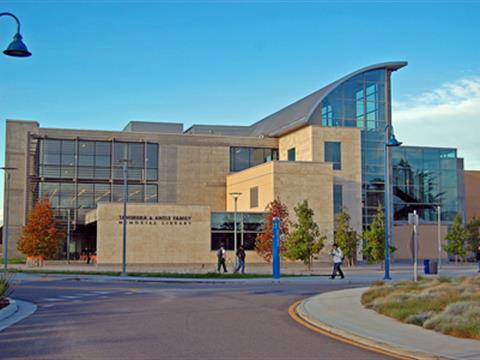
(99, 64)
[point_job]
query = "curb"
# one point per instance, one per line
(9, 310)
(297, 314)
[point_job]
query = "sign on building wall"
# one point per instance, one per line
(156, 220)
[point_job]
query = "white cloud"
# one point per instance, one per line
(448, 116)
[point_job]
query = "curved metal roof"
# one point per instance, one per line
(299, 113)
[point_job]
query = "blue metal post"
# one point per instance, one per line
(276, 248)
(386, 206)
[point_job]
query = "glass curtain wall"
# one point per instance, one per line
(361, 102)
(249, 225)
(424, 178)
(77, 174)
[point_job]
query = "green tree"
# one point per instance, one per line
(346, 238)
(374, 238)
(473, 229)
(457, 237)
(304, 241)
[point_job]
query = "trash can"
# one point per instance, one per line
(433, 268)
(426, 266)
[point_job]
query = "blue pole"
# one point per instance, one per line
(386, 206)
(276, 248)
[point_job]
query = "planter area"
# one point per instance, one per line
(449, 306)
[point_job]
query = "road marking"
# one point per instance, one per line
(298, 319)
(50, 299)
(76, 288)
(68, 297)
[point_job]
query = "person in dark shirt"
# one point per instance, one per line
(478, 257)
(221, 258)
(241, 260)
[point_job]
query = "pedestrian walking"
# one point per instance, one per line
(221, 258)
(337, 261)
(241, 260)
(478, 257)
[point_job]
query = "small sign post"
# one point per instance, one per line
(276, 248)
(413, 220)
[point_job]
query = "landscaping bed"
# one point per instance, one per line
(4, 303)
(449, 306)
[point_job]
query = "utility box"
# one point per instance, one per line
(433, 267)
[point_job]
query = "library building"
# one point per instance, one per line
(185, 187)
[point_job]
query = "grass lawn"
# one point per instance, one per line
(210, 275)
(14, 261)
(449, 306)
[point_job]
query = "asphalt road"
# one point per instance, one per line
(129, 320)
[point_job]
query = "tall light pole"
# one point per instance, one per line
(390, 141)
(125, 200)
(68, 236)
(5, 215)
(439, 238)
(17, 47)
(235, 196)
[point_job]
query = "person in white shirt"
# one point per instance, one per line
(337, 261)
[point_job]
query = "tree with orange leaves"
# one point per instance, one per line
(40, 236)
(263, 242)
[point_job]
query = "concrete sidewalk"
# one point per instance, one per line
(358, 275)
(341, 313)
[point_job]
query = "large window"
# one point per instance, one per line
(337, 198)
(249, 225)
(333, 154)
(360, 102)
(423, 179)
(242, 158)
(81, 173)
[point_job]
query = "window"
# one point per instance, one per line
(242, 158)
(249, 225)
(337, 198)
(333, 154)
(254, 197)
(291, 154)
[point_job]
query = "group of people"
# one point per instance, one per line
(222, 259)
(336, 253)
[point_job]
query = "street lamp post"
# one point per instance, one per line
(235, 196)
(5, 216)
(125, 200)
(17, 47)
(439, 222)
(390, 141)
(68, 236)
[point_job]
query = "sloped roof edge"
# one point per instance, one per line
(300, 111)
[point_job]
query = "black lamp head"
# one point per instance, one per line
(17, 47)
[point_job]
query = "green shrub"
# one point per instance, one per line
(450, 306)
(5, 285)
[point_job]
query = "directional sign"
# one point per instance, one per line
(412, 219)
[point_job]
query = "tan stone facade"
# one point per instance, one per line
(155, 234)
(309, 143)
(195, 178)
(291, 182)
(192, 168)
(428, 241)
(472, 194)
